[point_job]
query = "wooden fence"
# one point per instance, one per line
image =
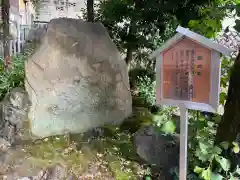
(15, 47)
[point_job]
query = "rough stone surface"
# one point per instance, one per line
(76, 80)
(36, 34)
(33, 40)
(56, 172)
(157, 149)
(13, 112)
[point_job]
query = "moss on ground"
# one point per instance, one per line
(110, 157)
(113, 155)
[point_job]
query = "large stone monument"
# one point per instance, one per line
(76, 80)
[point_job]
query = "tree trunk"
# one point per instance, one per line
(5, 20)
(90, 11)
(130, 42)
(230, 125)
(128, 58)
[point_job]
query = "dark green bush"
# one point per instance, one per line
(142, 83)
(135, 73)
(14, 77)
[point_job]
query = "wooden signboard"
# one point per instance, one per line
(188, 71)
(188, 76)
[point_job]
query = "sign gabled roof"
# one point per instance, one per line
(183, 32)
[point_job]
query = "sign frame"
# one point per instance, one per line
(214, 87)
(215, 74)
(215, 70)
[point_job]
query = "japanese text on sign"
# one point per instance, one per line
(186, 73)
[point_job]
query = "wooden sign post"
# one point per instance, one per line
(188, 76)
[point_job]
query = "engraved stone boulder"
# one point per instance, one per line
(76, 80)
(36, 33)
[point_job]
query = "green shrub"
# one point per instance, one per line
(140, 72)
(146, 89)
(206, 160)
(142, 84)
(163, 120)
(14, 77)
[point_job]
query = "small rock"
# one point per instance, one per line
(13, 111)
(56, 172)
(93, 134)
(159, 150)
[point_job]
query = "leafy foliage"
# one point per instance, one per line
(163, 120)
(218, 166)
(237, 10)
(134, 25)
(142, 84)
(206, 159)
(211, 17)
(225, 76)
(146, 89)
(14, 77)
